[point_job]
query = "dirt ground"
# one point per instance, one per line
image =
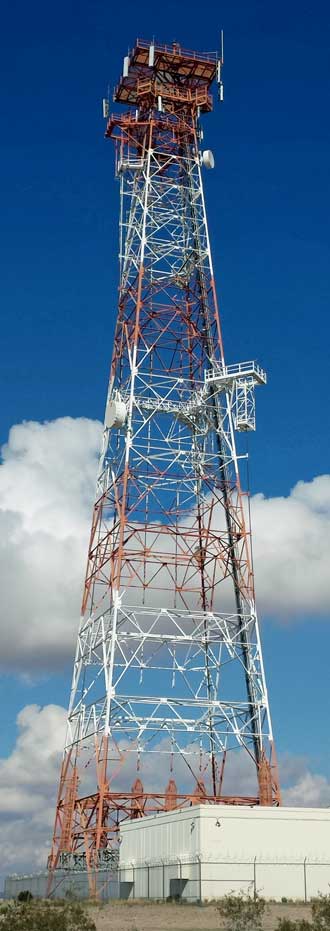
(145, 916)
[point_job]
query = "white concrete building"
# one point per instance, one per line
(207, 851)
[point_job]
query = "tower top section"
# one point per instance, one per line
(168, 76)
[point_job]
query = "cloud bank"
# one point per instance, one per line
(291, 539)
(29, 781)
(28, 787)
(47, 482)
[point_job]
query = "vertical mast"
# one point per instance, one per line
(168, 676)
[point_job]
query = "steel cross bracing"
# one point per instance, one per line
(174, 643)
(168, 662)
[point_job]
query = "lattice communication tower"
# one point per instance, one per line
(168, 675)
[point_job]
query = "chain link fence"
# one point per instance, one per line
(186, 880)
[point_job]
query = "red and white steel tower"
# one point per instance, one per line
(168, 675)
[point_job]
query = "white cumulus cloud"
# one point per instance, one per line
(291, 550)
(47, 482)
(28, 787)
(312, 790)
(29, 781)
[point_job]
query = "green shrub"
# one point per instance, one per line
(320, 918)
(285, 924)
(41, 916)
(241, 913)
(321, 913)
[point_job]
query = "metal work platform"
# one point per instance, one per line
(168, 71)
(225, 375)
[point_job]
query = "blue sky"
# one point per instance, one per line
(268, 209)
(268, 204)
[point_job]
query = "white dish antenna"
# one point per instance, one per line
(208, 159)
(115, 414)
